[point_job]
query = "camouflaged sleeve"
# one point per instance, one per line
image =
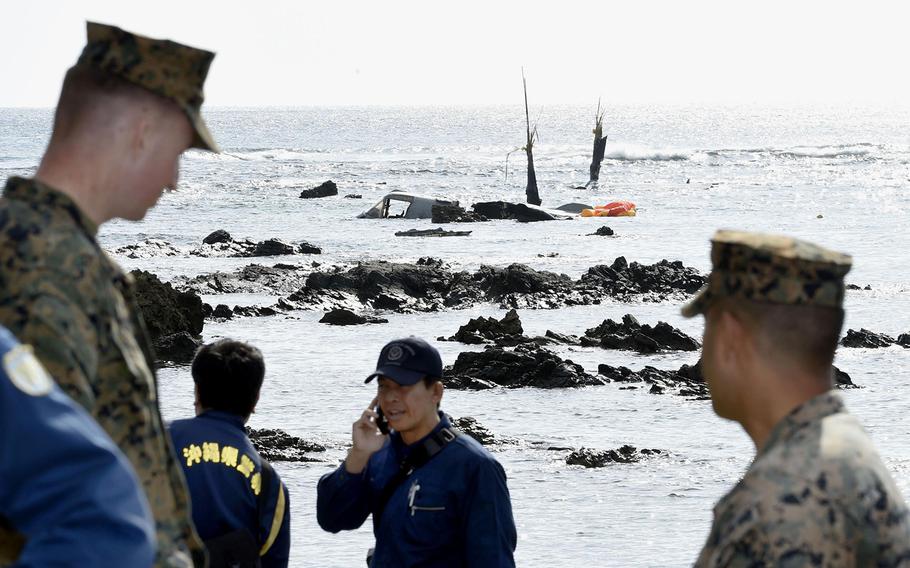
(63, 336)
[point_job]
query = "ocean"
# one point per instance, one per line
(837, 176)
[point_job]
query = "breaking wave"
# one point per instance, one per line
(633, 153)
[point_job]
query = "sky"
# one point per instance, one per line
(353, 52)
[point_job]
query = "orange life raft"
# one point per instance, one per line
(614, 209)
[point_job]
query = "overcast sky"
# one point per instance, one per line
(276, 52)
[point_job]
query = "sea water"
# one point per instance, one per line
(838, 176)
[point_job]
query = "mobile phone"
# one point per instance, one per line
(381, 421)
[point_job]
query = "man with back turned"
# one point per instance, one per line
(817, 493)
(127, 110)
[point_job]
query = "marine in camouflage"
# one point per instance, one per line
(771, 268)
(166, 68)
(60, 293)
(817, 494)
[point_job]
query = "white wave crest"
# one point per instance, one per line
(834, 151)
(635, 153)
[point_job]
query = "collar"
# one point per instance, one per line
(228, 417)
(405, 448)
(39, 194)
(809, 412)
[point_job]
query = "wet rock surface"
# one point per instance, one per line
(277, 445)
(231, 248)
(174, 320)
(341, 316)
(251, 279)
(871, 340)
(633, 336)
(454, 214)
(505, 331)
(525, 366)
(149, 248)
(599, 458)
(686, 381)
(476, 430)
(842, 380)
(325, 189)
(218, 236)
(431, 233)
(603, 231)
(430, 286)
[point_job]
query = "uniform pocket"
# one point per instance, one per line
(431, 514)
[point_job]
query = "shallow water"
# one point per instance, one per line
(769, 169)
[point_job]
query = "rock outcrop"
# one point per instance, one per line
(476, 430)
(525, 366)
(325, 189)
(602, 231)
(871, 340)
(277, 445)
(632, 336)
(149, 248)
(340, 316)
(174, 320)
(599, 458)
(506, 331)
(686, 381)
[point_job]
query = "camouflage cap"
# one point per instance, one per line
(771, 268)
(168, 69)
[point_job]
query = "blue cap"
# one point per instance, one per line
(407, 361)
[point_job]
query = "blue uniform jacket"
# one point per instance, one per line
(63, 484)
(453, 511)
(223, 473)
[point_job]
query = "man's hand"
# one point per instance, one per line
(367, 440)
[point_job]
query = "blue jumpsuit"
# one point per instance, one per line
(452, 511)
(224, 474)
(64, 486)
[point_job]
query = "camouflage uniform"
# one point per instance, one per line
(817, 493)
(61, 293)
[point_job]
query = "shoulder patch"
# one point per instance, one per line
(26, 372)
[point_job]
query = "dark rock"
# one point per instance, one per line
(474, 429)
(341, 316)
(254, 311)
(277, 445)
(632, 336)
(548, 255)
(353, 196)
(207, 310)
(219, 236)
(661, 278)
(165, 310)
(842, 380)
(517, 211)
(251, 279)
(454, 214)
(307, 248)
(599, 458)
(431, 233)
(525, 366)
(480, 330)
(903, 339)
(562, 338)
(325, 189)
(178, 347)
(602, 231)
(149, 248)
(686, 381)
(222, 312)
(866, 338)
(272, 247)
(432, 286)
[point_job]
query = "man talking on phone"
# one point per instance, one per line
(437, 497)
